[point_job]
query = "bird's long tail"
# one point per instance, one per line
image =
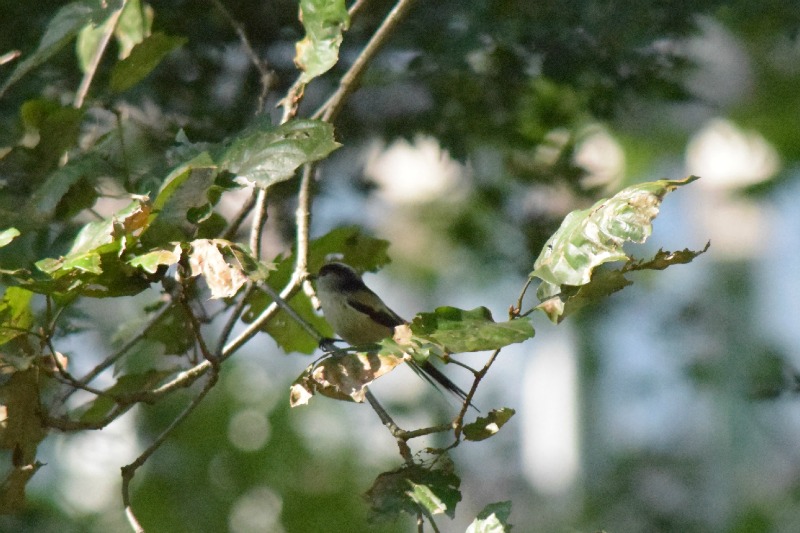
(435, 377)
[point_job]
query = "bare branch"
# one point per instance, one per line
(257, 226)
(405, 451)
(236, 223)
(129, 471)
(266, 76)
(111, 359)
(458, 423)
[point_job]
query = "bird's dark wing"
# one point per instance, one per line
(377, 312)
(381, 314)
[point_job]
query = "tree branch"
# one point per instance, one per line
(129, 471)
(266, 76)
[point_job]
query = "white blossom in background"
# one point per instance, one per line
(414, 173)
(727, 157)
(602, 157)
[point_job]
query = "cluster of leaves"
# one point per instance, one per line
(62, 243)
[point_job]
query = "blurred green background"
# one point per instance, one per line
(670, 407)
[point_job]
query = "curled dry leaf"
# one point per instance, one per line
(342, 377)
(222, 278)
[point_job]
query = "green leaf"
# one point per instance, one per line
(144, 57)
(89, 40)
(98, 238)
(133, 27)
(324, 22)
(8, 235)
(594, 236)
(151, 261)
(15, 313)
(61, 29)
(565, 300)
(186, 189)
(361, 251)
(411, 487)
(492, 519)
(560, 302)
(57, 128)
(268, 157)
(69, 188)
(487, 426)
(469, 331)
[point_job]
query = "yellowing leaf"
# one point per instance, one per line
(324, 22)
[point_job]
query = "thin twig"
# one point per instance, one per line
(288, 309)
(91, 69)
(303, 219)
(67, 424)
(195, 325)
(393, 428)
(266, 76)
(129, 471)
(348, 83)
(458, 423)
(515, 311)
(257, 226)
(265, 316)
(111, 359)
(238, 309)
(9, 56)
(236, 223)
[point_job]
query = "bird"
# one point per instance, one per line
(359, 316)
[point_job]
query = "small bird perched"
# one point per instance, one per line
(359, 316)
